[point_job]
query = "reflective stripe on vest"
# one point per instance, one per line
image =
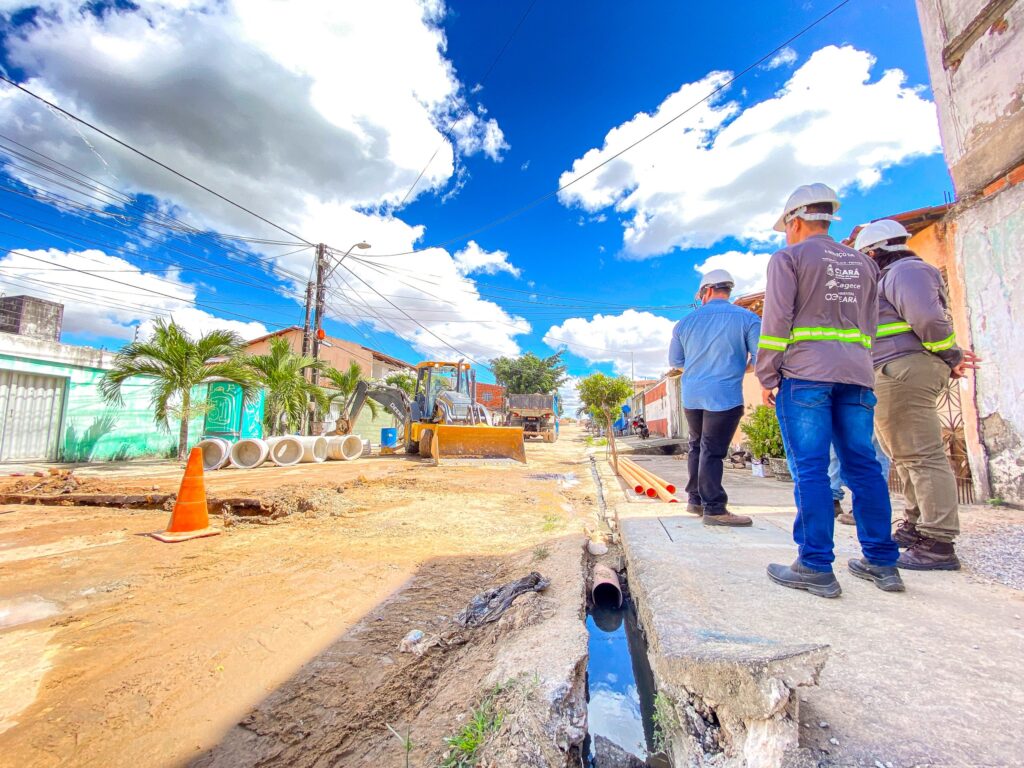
(891, 329)
(851, 335)
(773, 342)
(940, 346)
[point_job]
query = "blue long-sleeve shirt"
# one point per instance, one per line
(713, 346)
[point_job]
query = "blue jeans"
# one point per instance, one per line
(836, 480)
(814, 415)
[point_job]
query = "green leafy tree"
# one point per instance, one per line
(179, 363)
(529, 374)
(343, 383)
(603, 396)
(404, 380)
(282, 373)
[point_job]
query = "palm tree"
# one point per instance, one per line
(178, 364)
(343, 384)
(288, 392)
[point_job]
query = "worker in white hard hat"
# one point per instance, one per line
(713, 347)
(915, 355)
(820, 317)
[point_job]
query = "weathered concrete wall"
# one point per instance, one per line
(92, 430)
(989, 243)
(975, 52)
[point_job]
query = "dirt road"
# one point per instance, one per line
(116, 650)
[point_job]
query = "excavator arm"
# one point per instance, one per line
(394, 400)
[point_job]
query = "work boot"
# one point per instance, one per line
(799, 576)
(846, 519)
(886, 577)
(727, 518)
(906, 534)
(929, 555)
(696, 509)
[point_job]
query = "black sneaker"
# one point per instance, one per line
(886, 577)
(798, 576)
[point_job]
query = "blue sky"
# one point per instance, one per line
(325, 136)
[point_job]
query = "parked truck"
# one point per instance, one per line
(536, 414)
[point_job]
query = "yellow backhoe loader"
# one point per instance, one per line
(443, 420)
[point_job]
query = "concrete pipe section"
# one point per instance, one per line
(344, 448)
(314, 449)
(285, 451)
(605, 589)
(216, 453)
(249, 453)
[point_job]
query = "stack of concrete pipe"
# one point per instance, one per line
(284, 451)
(216, 453)
(344, 448)
(645, 482)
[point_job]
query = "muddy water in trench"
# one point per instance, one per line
(620, 687)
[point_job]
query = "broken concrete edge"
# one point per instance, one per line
(733, 699)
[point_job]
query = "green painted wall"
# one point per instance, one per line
(92, 430)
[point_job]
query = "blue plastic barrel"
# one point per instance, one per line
(389, 437)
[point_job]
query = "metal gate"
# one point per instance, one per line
(30, 414)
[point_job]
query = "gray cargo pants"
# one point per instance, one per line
(908, 428)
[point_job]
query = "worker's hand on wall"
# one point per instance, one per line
(971, 362)
(768, 397)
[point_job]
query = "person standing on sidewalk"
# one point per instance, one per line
(836, 480)
(713, 346)
(915, 355)
(820, 315)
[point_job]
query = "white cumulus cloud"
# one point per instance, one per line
(474, 259)
(319, 116)
(748, 269)
(784, 58)
(631, 340)
(94, 305)
(724, 171)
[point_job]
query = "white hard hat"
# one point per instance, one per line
(716, 277)
(874, 236)
(809, 194)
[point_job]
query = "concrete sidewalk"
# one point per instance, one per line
(930, 677)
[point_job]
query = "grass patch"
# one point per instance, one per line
(664, 719)
(465, 745)
(596, 442)
(540, 553)
(552, 522)
(996, 501)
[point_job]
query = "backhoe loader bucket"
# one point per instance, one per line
(457, 441)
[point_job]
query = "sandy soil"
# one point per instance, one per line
(116, 650)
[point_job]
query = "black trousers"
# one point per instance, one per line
(710, 435)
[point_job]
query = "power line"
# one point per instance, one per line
(548, 195)
(150, 158)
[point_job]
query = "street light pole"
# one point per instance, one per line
(324, 270)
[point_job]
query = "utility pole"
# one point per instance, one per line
(318, 311)
(307, 336)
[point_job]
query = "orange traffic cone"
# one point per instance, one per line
(190, 519)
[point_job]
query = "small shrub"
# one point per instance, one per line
(664, 720)
(762, 430)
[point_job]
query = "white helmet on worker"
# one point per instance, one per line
(716, 278)
(807, 195)
(883, 235)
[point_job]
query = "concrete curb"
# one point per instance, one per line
(734, 697)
